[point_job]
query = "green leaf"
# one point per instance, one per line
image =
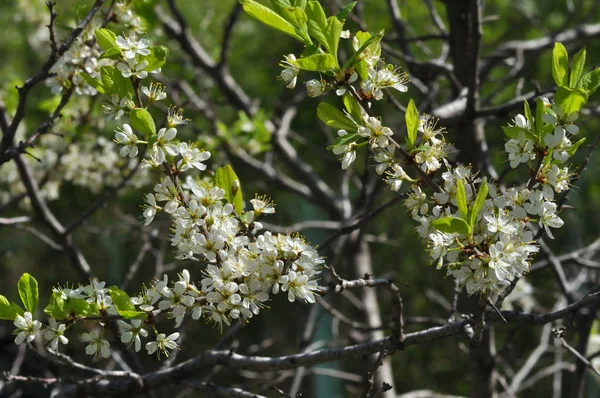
(560, 64)
(411, 118)
(540, 110)
(269, 18)
(141, 315)
(317, 63)
(317, 23)
(297, 17)
(300, 4)
(570, 99)
(112, 53)
(345, 11)
(332, 33)
(156, 58)
(142, 121)
(7, 312)
(333, 118)
(121, 299)
(528, 114)
(80, 307)
(461, 199)
(226, 179)
(451, 225)
(344, 139)
(97, 84)
(590, 81)
(577, 67)
(106, 74)
(353, 107)
(105, 38)
(122, 86)
(478, 204)
(28, 291)
(57, 307)
(360, 54)
(571, 151)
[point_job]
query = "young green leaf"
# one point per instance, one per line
(226, 179)
(577, 67)
(156, 58)
(571, 99)
(461, 199)
(7, 312)
(105, 38)
(121, 299)
(81, 307)
(124, 305)
(97, 84)
(560, 64)
(142, 121)
(317, 63)
(106, 75)
(452, 225)
(28, 291)
(122, 86)
(345, 11)
(590, 81)
(358, 55)
(540, 110)
(317, 23)
(332, 33)
(269, 18)
(411, 118)
(333, 118)
(113, 53)
(56, 308)
(478, 204)
(528, 114)
(571, 151)
(298, 18)
(133, 314)
(352, 107)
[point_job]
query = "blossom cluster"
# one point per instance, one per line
(483, 234)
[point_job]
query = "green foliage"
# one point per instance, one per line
(56, 308)
(269, 18)
(560, 65)
(577, 67)
(478, 204)
(7, 310)
(343, 13)
(123, 304)
(142, 121)
(364, 49)
(226, 179)
(156, 58)
(352, 107)
(452, 225)
(105, 38)
(28, 291)
(540, 110)
(590, 81)
(461, 199)
(317, 63)
(412, 123)
(570, 99)
(334, 118)
(372, 49)
(61, 308)
(317, 23)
